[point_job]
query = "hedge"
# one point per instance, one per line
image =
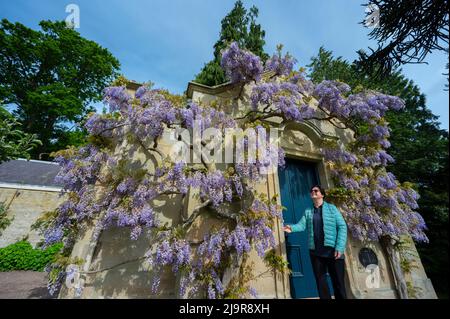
(22, 256)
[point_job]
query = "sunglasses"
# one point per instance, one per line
(315, 191)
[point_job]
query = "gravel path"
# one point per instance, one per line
(23, 285)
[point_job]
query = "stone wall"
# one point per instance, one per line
(24, 207)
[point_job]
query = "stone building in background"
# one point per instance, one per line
(27, 189)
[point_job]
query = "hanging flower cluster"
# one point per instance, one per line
(281, 65)
(377, 204)
(240, 65)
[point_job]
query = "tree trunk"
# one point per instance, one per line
(394, 259)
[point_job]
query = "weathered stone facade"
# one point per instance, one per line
(114, 264)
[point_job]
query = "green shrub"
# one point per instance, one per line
(22, 256)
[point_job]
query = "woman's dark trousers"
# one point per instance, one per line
(336, 269)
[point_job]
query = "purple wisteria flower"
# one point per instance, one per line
(383, 103)
(285, 98)
(176, 179)
(241, 65)
(156, 282)
(83, 168)
(127, 186)
(253, 292)
(53, 235)
(387, 181)
(182, 254)
(149, 122)
(101, 125)
(214, 186)
(330, 97)
(281, 65)
(238, 239)
(212, 246)
(211, 292)
(117, 98)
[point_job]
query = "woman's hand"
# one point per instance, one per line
(287, 229)
(337, 254)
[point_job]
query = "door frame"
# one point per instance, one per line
(294, 151)
(307, 274)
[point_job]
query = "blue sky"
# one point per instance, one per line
(168, 41)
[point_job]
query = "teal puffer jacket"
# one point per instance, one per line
(334, 227)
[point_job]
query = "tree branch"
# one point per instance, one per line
(195, 213)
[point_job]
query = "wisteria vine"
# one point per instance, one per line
(100, 187)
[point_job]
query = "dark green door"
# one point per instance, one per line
(296, 179)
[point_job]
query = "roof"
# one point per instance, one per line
(193, 86)
(217, 89)
(133, 85)
(213, 90)
(29, 172)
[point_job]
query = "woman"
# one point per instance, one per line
(327, 240)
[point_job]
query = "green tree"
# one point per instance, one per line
(240, 26)
(407, 31)
(14, 143)
(51, 76)
(419, 147)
